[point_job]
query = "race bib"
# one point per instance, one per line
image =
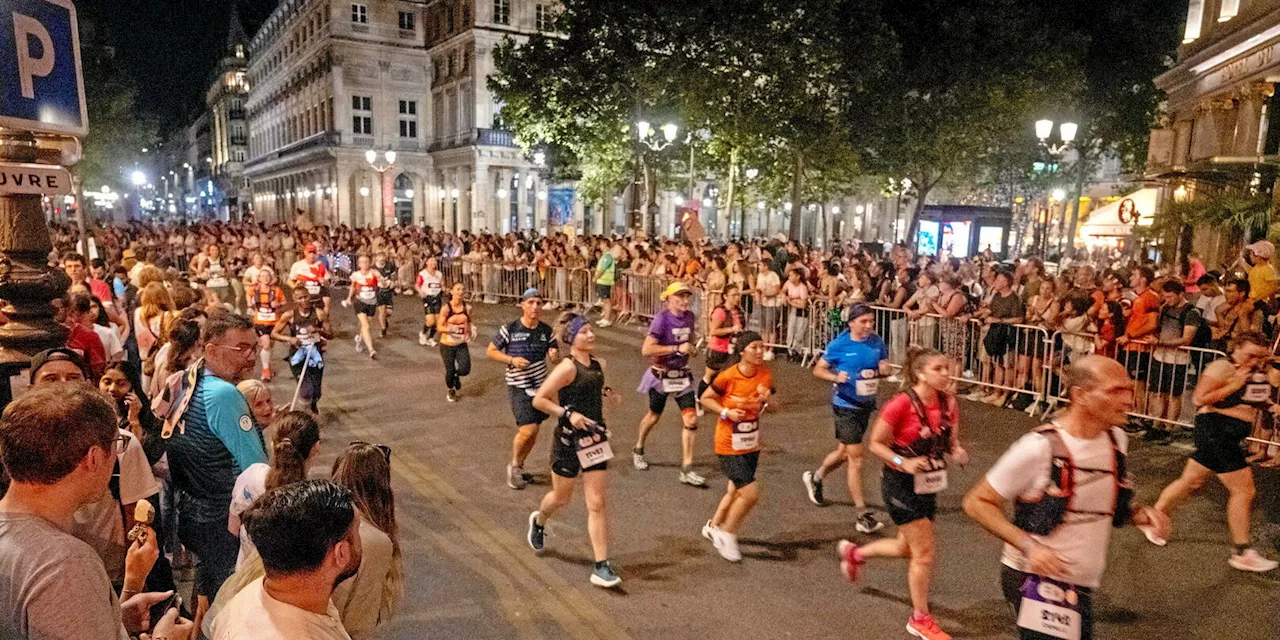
(867, 386)
(305, 336)
(1254, 392)
(313, 287)
(266, 314)
(674, 385)
(593, 448)
(1050, 607)
(458, 332)
(746, 436)
(367, 295)
(433, 288)
(216, 281)
(929, 482)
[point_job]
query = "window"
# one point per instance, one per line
(362, 115)
(237, 156)
(466, 62)
(543, 17)
(409, 119)
(408, 107)
(1195, 17)
(1228, 10)
(502, 11)
(449, 13)
(407, 21)
(359, 14)
(449, 66)
(466, 15)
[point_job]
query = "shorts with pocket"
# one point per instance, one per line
(522, 407)
(740, 469)
(851, 424)
(901, 500)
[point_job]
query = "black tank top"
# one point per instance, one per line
(306, 328)
(584, 393)
(1256, 393)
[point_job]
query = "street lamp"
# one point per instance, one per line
(1054, 152)
(655, 143)
(138, 178)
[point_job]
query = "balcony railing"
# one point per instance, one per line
(235, 114)
(495, 138)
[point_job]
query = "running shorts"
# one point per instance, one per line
(522, 407)
(851, 424)
(902, 501)
(1217, 438)
(740, 469)
(686, 400)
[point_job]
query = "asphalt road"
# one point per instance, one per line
(471, 575)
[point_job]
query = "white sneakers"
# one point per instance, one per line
(726, 543)
(1150, 532)
(1251, 560)
(422, 338)
(709, 531)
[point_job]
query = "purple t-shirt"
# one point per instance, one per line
(670, 330)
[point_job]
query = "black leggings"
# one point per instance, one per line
(457, 363)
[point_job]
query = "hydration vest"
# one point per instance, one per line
(1042, 516)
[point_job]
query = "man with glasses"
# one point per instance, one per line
(215, 441)
(524, 345)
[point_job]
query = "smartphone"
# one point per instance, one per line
(159, 609)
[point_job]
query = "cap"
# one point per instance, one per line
(54, 355)
(530, 293)
(310, 248)
(744, 340)
(857, 310)
(676, 288)
(128, 253)
(1262, 249)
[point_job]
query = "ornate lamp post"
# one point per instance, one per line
(382, 163)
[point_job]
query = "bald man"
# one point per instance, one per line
(1062, 523)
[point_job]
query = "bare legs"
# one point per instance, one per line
(853, 455)
(594, 485)
(915, 543)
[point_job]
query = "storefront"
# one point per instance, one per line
(1112, 225)
(961, 231)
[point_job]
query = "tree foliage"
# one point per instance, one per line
(118, 129)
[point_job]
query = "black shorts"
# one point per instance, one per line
(604, 291)
(999, 340)
(686, 400)
(365, 309)
(432, 305)
(386, 298)
(263, 329)
(522, 407)
(901, 500)
(1137, 362)
(1218, 439)
(1011, 581)
(851, 424)
(719, 361)
(564, 458)
(1166, 378)
(740, 469)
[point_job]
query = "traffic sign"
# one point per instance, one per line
(39, 179)
(41, 85)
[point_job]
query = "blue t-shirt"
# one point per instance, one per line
(220, 441)
(861, 360)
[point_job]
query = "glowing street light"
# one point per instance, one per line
(138, 178)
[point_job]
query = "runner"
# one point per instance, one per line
(853, 362)
(739, 394)
(914, 434)
(365, 284)
(670, 343)
(456, 332)
(305, 328)
(1231, 394)
(1069, 486)
(386, 289)
(581, 445)
(430, 286)
(524, 345)
(726, 324)
(309, 272)
(213, 273)
(265, 300)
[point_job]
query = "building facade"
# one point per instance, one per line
(229, 128)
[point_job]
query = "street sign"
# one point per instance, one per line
(38, 179)
(41, 86)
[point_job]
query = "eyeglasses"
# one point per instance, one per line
(386, 450)
(242, 348)
(121, 443)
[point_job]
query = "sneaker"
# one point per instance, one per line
(976, 395)
(515, 477)
(451, 395)
(638, 461)
(701, 412)
(537, 533)
(727, 545)
(266, 375)
(1251, 560)
(605, 323)
(814, 486)
(709, 531)
(1150, 532)
(867, 523)
(850, 560)
(359, 345)
(373, 355)
(926, 628)
(431, 342)
(604, 576)
(527, 477)
(422, 338)
(768, 355)
(600, 322)
(968, 374)
(895, 378)
(691, 477)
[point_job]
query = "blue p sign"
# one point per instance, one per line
(41, 87)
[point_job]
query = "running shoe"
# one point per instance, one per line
(537, 533)
(451, 396)
(895, 378)
(605, 323)
(700, 410)
(638, 461)
(727, 544)
(768, 355)
(1150, 532)
(813, 485)
(422, 338)
(709, 531)
(867, 523)
(266, 374)
(976, 395)
(527, 477)
(373, 355)
(851, 560)
(359, 345)
(515, 477)
(604, 576)
(691, 477)
(1251, 560)
(431, 342)
(927, 628)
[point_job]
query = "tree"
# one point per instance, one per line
(118, 129)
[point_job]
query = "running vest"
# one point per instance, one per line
(217, 274)
(264, 305)
(931, 444)
(1048, 513)
(457, 324)
(366, 286)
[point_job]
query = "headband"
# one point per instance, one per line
(575, 325)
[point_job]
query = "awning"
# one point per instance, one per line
(1105, 220)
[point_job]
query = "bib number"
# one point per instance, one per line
(674, 385)
(1050, 607)
(593, 448)
(867, 386)
(1254, 392)
(929, 482)
(746, 436)
(313, 288)
(368, 295)
(266, 314)
(305, 337)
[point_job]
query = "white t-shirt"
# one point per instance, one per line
(767, 279)
(100, 523)
(110, 342)
(1208, 307)
(1023, 471)
(251, 483)
(254, 615)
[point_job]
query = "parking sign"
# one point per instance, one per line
(41, 87)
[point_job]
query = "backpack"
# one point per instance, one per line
(1203, 333)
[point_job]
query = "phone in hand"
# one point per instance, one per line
(160, 608)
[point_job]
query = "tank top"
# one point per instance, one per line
(264, 305)
(584, 394)
(388, 272)
(1256, 393)
(456, 324)
(430, 283)
(724, 343)
(306, 329)
(217, 274)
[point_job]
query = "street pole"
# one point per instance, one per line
(1077, 191)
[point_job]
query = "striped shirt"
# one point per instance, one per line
(519, 341)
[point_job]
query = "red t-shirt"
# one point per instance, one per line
(900, 415)
(85, 342)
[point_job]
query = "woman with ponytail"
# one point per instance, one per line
(293, 445)
(373, 595)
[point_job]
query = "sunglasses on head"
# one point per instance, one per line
(386, 450)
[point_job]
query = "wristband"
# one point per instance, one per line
(724, 413)
(897, 461)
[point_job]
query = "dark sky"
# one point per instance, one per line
(169, 47)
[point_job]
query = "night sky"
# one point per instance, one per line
(169, 47)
